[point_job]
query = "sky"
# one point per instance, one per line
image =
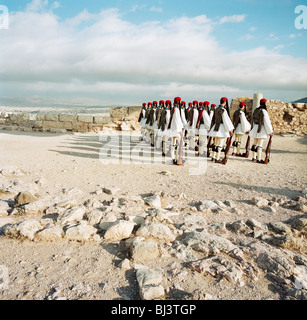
(122, 52)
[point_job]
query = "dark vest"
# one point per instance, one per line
(236, 118)
(218, 117)
(258, 118)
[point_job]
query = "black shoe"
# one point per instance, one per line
(174, 162)
(163, 154)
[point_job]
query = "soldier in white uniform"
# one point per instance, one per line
(142, 120)
(152, 123)
(159, 110)
(261, 129)
(212, 109)
(203, 126)
(221, 130)
(191, 125)
(163, 131)
(176, 130)
(146, 126)
(241, 127)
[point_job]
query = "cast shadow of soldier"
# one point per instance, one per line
(116, 148)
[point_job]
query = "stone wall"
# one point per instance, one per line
(285, 117)
(120, 119)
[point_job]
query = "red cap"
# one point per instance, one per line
(224, 99)
(177, 99)
(168, 102)
(161, 101)
(149, 103)
(155, 102)
(242, 104)
(195, 102)
(183, 102)
(201, 103)
(263, 101)
(144, 104)
(213, 105)
(207, 103)
(190, 103)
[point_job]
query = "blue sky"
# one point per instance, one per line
(123, 52)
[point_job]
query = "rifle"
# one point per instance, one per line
(179, 163)
(208, 147)
(247, 146)
(226, 150)
(268, 151)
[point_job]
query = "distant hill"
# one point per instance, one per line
(303, 100)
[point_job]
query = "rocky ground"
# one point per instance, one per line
(76, 226)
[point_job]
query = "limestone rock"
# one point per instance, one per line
(156, 230)
(299, 223)
(280, 227)
(125, 264)
(151, 292)
(4, 222)
(107, 221)
(80, 232)
(219, 266)
(301, 207)
(153, 201)
(272, 259)
(4, 207)
(255, 225)
(300, 277)
(239, 227)
(26, 229)
(111, 191)
(24, 198)
(200, 295)
(260, 202)
(74, 214)
(119, 230)
(50, 233)
(94, 217)
(230, 203)
(206, 205)
(217, 227)
(138, 220)
(286, 242)
(207, 243)
(147, 277)
(144, 250)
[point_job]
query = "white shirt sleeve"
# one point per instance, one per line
(183, 119)
(244, 123)
(227, 122)
(177, 124)
(267, 122)
(207, 120)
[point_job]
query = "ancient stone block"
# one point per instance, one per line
(86, 118)
(51, 117)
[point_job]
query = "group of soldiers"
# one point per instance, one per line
(205, 128)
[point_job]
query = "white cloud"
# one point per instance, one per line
(37, 5)
(55, 5)
(247, 36)
(111, 60)
(272, 37)
(233, 18)
(156, 9)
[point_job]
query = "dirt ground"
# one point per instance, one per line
(90, 270)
